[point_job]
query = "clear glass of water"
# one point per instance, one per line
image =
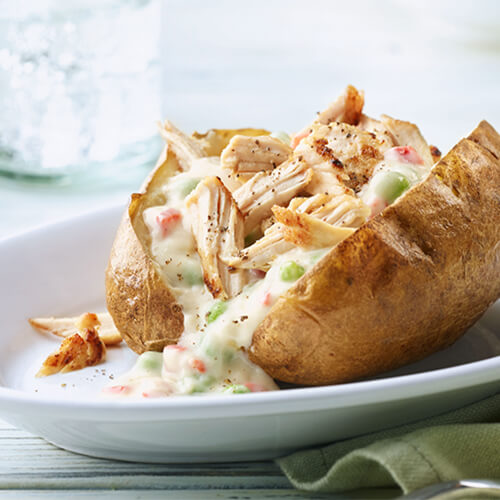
(79, 85)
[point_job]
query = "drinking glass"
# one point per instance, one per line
(79, 85)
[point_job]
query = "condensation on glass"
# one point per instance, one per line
(79, 84)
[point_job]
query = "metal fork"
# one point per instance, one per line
(436, 490)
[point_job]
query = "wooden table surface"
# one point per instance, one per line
(29, 463)
(30, 467)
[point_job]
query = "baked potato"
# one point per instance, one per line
(374, 281)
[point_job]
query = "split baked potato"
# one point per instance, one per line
(408, 283)
(393, 288)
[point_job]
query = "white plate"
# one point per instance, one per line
(59, 270)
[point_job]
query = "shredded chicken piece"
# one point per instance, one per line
(215, 140)
(340, 211)
(185, 148)
(254, 154)
(87, 321)
(347, 108)
(307, 231)
(78, 350)
(188, 149)
(408, 134)
(351, 154)
(325, 180)
(375, 126)
(217, 226)
(261, 254)
(64, 327)
(309, 204)
(257, 196)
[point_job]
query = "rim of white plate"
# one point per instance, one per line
(266, 403)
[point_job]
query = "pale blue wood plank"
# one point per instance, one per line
(264, 494)
(29, 462)
(31, 468)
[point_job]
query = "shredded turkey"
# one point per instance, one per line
(65, 327)
(246, 154)
(325, 181)
(217, 226)
(260, 254)
(77, 351)
(214, 141)
(343, 211)
(347, 108)
(369, 124)
(188, 149)
(307, 231)
(350, 154)
(185, 148)
(332, 160)
(257, 196)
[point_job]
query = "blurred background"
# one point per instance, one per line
(83, 82)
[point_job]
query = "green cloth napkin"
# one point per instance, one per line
(461, 444)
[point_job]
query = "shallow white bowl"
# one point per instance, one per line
(59, 270)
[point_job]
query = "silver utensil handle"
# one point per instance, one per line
(434, 491)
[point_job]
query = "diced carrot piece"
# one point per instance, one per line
(266, 300)
(296, 138)
(168, 219)
(255, 387)
(117, 389)
(406, 154)
(198, 365)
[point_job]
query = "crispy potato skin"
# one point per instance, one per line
(406, 284)
(141, 304)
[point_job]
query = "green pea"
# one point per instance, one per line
(390, 185)
(188, 186)
(151, 362)
(203, 383)
(291, 271)
(227, 355)
(192, 276)
(210, 351)
(216, 310)
(237, 389)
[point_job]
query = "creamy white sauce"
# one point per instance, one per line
(209, 356)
